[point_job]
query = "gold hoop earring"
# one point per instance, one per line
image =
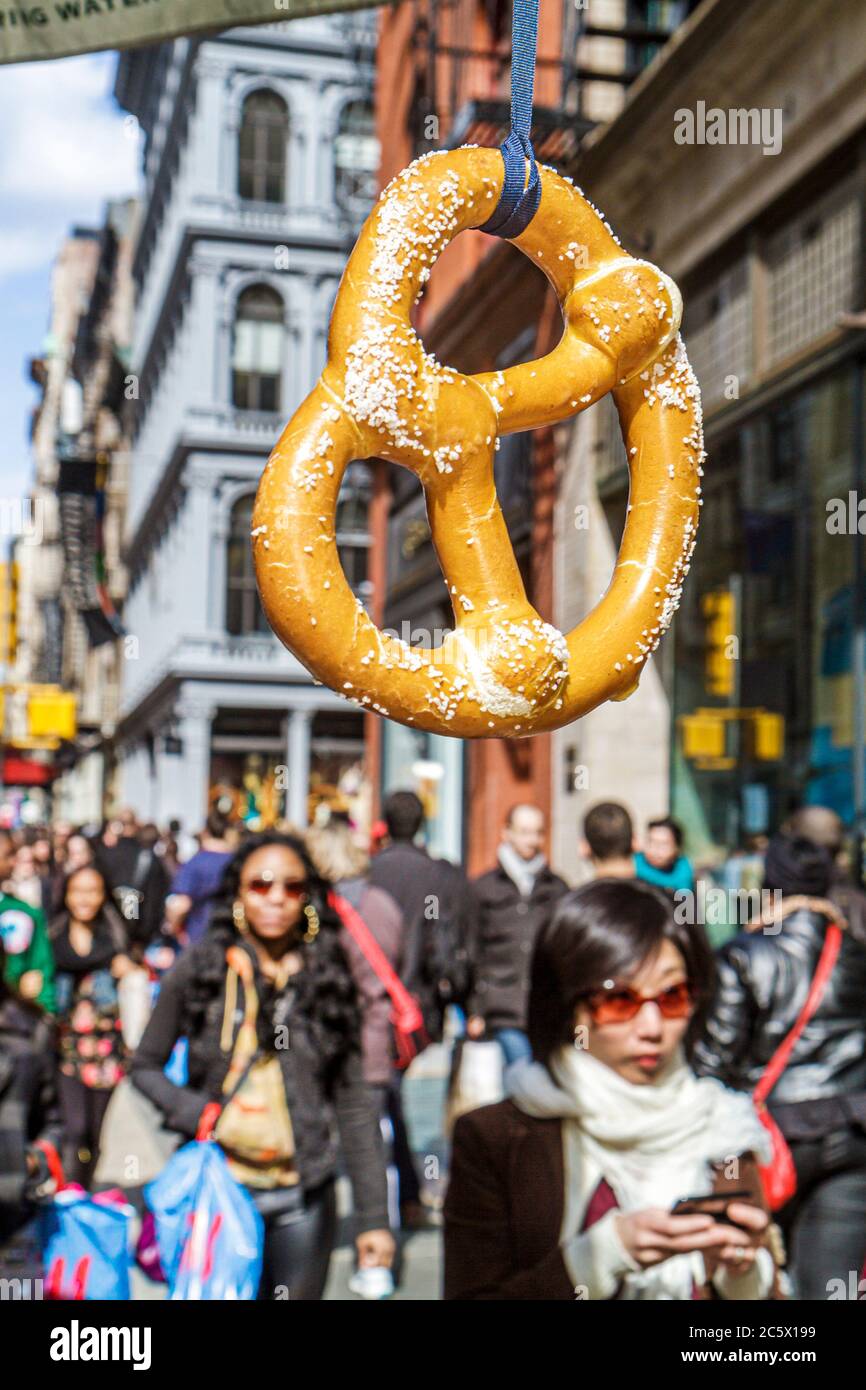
(239, 917)
(313, 924)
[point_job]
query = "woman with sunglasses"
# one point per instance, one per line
(270, 1010)
(565, 1190)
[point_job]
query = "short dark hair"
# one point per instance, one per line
(216, 825)
(795, 865)
(605, 930)
(608, 830)
(404, 815)
(668, 823)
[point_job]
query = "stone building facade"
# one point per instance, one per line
(259, 167)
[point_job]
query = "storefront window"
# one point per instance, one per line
(763, 677)
(432, 767)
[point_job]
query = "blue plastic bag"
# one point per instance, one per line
(209, 1233)
(177, 1066)
(85, 1247)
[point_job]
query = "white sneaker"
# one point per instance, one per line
(372, 1282)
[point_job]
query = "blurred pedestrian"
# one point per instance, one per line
(824, 827)
(137, 879)
(90, 952)
(609, 841)
(61, 833)
(267, 1001)
(662, 860)
(437, 906)
(26, 881)
(565, 1189)
(30, 1133)
(170, 848)
(438, 910)
(819, 1101)
(514, 901)
(740, 876)
(342, 862)
(29, 967)
(195, 884)
(79, 852)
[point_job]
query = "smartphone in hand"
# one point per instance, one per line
(713, 1204)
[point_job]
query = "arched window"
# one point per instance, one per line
(262, 148)
(353, 528)
(257, 350)
(356, 158)
(244, 612)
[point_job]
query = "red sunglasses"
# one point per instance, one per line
(619, 1004)
(292, 887)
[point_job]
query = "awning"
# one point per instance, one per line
(24, 772)
(64, 27)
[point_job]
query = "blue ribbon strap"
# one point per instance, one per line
(518, 201)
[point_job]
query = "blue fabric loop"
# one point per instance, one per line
(518, 204)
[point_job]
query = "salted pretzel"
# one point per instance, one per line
(502, 671)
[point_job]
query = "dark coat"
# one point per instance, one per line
(437, 906)
(322, 1100)
(507, 925)
(763, 981)
(505, 1205)
(28, 1106)
(128, 865)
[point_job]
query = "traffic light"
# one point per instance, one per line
(718, 610)
(703, 735)
(767, 736)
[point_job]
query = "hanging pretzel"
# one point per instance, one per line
(502, 670)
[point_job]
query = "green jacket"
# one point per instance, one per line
(25, 941)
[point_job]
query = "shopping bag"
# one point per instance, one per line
(86, 1245)
(476, 1079)
(134, 1144)
(209, 1233)
(134, 1004)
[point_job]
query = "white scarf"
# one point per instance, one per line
(652, 1143)
(522, 872)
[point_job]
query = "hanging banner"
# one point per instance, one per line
(63, 27)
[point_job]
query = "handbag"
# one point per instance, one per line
(779, 1176)
(407, 1018)
(253, 1126)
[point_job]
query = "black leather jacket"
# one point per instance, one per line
(763, 981)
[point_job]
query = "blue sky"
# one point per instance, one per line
(66, 148)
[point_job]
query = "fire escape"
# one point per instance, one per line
(461, 52)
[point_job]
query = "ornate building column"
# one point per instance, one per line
(183, 778)
(298, 765)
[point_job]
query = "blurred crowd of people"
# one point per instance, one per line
(619, 1023)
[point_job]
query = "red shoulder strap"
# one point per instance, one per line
(52, 1159)
(820, 980)
(372, 951)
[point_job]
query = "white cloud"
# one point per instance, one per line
(66, 149)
